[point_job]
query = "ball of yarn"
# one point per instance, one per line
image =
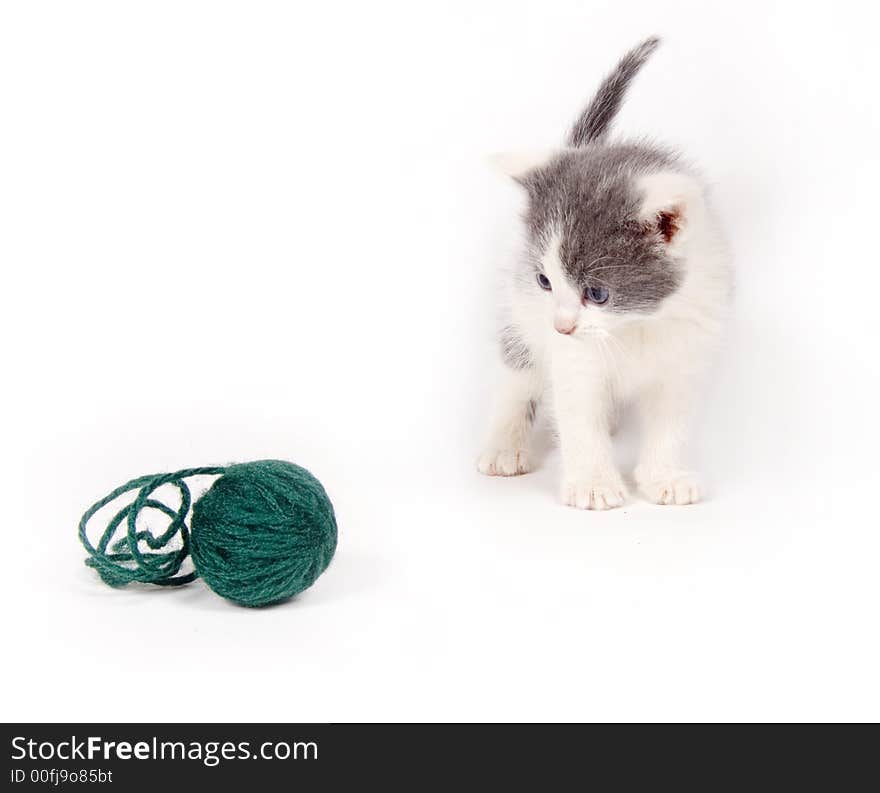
(263, 532)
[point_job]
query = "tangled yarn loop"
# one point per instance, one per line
(125, 561)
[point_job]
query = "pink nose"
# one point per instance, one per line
(566, 328)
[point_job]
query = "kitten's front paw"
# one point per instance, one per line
(504, 462)
(605, 492)
(675, 488)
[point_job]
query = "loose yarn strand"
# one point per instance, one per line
(125, 562)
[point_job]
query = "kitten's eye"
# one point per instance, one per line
(596, 294)
(543, 281)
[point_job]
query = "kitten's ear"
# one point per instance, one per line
(670, 201)
(517, 164)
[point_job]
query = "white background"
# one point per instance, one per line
(231, 231)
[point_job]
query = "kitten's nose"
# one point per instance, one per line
(565, 326)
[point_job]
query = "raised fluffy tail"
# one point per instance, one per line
(594, 121)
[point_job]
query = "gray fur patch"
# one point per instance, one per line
(514, 352)
(589, 197)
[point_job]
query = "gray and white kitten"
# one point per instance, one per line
(619, 296)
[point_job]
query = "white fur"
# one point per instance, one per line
(566, 300)
(518, 163)
(656, 360)
(506, 451)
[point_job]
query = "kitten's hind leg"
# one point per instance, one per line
(506, 452)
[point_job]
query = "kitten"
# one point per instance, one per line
(619, 296)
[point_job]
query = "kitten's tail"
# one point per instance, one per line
(594, 121)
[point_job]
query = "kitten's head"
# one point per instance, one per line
(606, 229)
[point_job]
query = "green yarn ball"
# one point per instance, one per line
(262, 533)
